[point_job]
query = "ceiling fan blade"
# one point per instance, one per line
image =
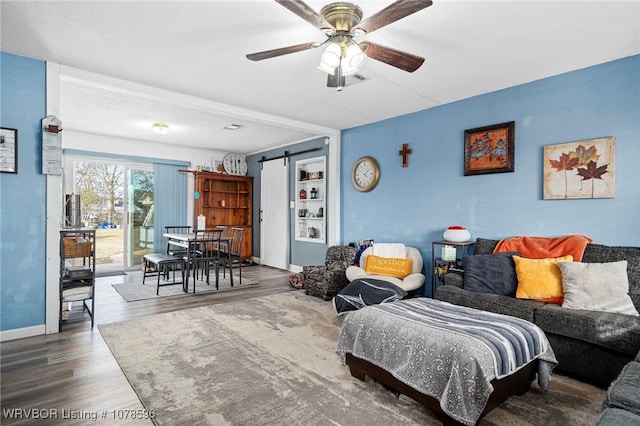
(305, 11)
(258, 56)
(389, 14)
(396, 58)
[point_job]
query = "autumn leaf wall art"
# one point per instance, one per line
(584, 169)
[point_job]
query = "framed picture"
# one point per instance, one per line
(489, 149)
(8, 150)
(585, 169)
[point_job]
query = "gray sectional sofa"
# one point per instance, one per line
(590, 345)
(621, 405)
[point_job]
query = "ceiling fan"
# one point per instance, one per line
(341, 22)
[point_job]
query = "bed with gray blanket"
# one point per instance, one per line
(450, 353)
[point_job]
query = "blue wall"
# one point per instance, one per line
(414, 205)
(411, 205)
(23, 196)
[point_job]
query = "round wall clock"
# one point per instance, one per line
(235, 164)
(365, 174)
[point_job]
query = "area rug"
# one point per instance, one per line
(132, 291)
(271, 361)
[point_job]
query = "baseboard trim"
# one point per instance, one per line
(292, 268)
(21, 333)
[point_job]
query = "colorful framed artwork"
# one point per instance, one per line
(8, 150)
(489, 149)
(584, 169)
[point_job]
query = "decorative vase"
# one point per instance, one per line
(457, 234)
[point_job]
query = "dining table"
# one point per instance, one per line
(188, 241)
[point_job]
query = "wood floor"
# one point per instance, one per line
(71, 377)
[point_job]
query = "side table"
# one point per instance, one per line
(441, 266)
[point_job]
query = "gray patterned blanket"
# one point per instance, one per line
(446, 351)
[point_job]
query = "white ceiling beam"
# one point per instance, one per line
(116, 85)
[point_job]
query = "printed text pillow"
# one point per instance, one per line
(389, 266)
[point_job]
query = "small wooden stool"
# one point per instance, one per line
(158, 264)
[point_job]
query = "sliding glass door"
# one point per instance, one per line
(139, 204)
(117, 199)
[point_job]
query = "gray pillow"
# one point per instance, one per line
(364, 292)
(491, 273)
(597, 287)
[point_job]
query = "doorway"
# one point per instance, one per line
(116, 199)
(274, 202)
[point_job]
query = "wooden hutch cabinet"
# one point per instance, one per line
(225, 200)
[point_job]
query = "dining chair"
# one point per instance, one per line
(203, 254)
(235, 248)
(224, 233)
(180, 229)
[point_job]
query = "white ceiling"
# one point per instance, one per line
(197, 49)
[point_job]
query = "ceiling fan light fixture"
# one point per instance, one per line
(353, 59)
(330, 58)
(160, 128)
(325, 68)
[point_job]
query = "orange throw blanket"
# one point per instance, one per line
(545, 247)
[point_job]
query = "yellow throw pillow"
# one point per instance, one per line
(391, 266)
(539, 279)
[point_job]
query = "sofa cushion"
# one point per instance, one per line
(540, 279)
(624, 392)
(597, 287)
(617, 417)
(484, 246)
(614, 331)
(497, 303)
(454, 278)
(598, 253)
(491, 273)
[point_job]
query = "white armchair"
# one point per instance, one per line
(410, 283)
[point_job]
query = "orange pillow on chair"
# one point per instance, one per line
(391, 266)
(540, 279)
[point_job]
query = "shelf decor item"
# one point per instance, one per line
(235, 164)
(75, 247)
(456, 234)
(448, 253)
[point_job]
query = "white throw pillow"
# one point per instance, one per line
(396, 250)
(597, 287)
